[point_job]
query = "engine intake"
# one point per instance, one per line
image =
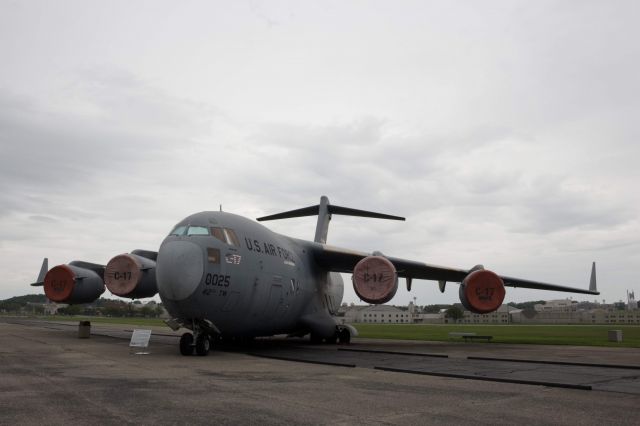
(375, 279)
(73, 284)
(132, 276)
(482, 291)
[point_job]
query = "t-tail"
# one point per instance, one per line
(324, 210)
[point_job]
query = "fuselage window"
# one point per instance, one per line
(179, 230)
(198, 230)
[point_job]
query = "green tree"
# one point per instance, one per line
(113, 311)
(454, 313)
(147, 311)
(158, 311)
(434, 309)
(71, 310)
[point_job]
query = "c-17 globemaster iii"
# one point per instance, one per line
(224, 276)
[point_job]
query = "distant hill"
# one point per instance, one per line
(28, 298)
(16, 303)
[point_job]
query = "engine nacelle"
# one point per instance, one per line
(74, 283)
(131, 275)
(482, 291)
(375, 279)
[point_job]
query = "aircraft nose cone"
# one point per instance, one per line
(179, 269)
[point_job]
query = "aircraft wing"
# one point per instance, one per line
(342, 260)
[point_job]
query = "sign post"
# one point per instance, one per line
(140, 342)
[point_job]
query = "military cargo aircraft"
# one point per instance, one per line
(224, 276)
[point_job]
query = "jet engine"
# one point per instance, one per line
(132, 275)
(482, 291)
(77, 282)
(375, 279)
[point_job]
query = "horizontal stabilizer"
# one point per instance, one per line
(306, 211)
(324, 210)
(314, 210)
(346, 211)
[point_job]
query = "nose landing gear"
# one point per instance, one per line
(344, 336)
(186, 344)
(201, 341)
(341, 335)
(201, 344)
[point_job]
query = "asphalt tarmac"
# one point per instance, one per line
(50, 376)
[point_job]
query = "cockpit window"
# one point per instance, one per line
(198, 230)
(232, 238)
(226, 235)
(178, 230)
(217, 232)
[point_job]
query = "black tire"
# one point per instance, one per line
(344, 336)
(203, 344)
(246, 341)
(186, 344)
(333, 339)
(315, 339)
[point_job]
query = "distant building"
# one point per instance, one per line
(602, 316)
(377, 314)
(560, 311)
(559, 305)
(607, 315)
(429, 318)
(500, 316)
(631, 301)
(51, 308)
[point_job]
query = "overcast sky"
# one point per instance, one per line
(507, 132)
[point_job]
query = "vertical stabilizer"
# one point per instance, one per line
(324, 217)
(592, 281)
(43, 272)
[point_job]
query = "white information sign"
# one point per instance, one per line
(140, 339)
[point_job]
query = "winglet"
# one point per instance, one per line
(43, 271)
(592, 281)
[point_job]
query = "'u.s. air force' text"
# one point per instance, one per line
(270, 249)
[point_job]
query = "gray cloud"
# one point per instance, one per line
(505, 132)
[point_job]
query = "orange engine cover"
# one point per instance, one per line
(59, 283)
(482, 291)
(72, 284)
(375, 279)
(130, 275)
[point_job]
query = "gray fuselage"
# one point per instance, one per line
(244, 278)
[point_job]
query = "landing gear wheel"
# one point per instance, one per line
(186, 344)
(245, 340)
(315, 339)
(203, 344)
(344, 336)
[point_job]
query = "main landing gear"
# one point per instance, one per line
(342, 336)
(201, 341)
